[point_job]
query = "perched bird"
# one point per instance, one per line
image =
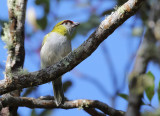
(55, 46)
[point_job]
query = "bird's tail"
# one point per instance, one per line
(58, 91)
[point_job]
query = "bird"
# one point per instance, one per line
(55, 46)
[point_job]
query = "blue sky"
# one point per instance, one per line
(121, 46)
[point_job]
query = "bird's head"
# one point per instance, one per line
(65, 27)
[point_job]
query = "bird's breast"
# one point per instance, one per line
(55, 48)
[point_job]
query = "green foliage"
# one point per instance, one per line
(45, 4)
(146, 83)
(150, 88)
(124, 96)
(42, 23)
(151, 75)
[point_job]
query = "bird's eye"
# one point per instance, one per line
(66, 22)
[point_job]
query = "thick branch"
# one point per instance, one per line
(16, 51)
(148, 51)
(145, 53)
(15, 37)
(49, 104)
(94, 112)
(51, 73)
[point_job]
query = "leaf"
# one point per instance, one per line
(124, 96)
(45, 4)
(150, 87)
(42, 23)
(38, 2)
(151, 75)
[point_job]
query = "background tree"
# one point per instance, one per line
(105, 71)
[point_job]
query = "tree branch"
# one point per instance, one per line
(94, 112)
(49, 104)
(14, 38)
(51, 73)
(148, 51)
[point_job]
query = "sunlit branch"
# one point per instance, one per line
(85, 104)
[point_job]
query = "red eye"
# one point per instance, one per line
(67, 21)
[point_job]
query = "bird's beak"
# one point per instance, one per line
(76, 24)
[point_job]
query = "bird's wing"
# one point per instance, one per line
(44, 40)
